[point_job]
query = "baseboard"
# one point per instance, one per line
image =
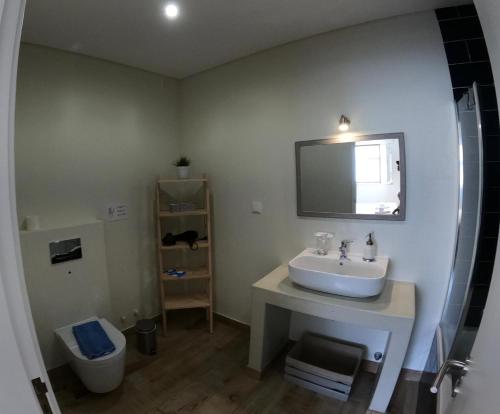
(218, 316)
(131, 329)
(231, 321)
(411, 375)
(253, 373)
(366, 365)
(406, 374)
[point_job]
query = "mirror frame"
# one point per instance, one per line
(342, 139)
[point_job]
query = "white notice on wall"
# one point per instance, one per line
(116, 212)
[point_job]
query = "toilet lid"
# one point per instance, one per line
(66, 335)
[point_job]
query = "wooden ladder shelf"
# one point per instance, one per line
(186, 300)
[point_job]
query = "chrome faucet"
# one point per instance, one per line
(344, 244)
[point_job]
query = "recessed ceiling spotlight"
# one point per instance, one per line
(171, 11)
(344, 123)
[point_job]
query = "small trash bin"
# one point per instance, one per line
(146, 336)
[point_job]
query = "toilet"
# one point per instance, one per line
(102, 374)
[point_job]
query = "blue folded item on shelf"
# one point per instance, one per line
(93, 340)
(174, 272)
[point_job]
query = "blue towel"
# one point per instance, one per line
(92, 340)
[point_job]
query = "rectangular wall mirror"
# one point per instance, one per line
(359, 177)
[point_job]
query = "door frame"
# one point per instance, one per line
(20, 354)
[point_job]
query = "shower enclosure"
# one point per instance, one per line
(457, 333)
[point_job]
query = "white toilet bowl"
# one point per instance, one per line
(102, 374)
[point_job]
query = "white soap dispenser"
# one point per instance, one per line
(369, 250)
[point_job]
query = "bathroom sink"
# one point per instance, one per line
(353, 277)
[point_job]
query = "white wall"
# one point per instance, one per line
(489, 14)
(68, 292)
(90, 132)
(239, 123)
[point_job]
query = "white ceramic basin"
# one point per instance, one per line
(353, 277)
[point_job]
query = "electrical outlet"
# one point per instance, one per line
(257, 207)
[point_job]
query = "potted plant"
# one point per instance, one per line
(182, 165)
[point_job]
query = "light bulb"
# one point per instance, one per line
(171, 11)
(344, 123)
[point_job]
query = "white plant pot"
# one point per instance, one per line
(183, 172)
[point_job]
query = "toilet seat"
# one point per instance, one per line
(66, 335)
(102, 374)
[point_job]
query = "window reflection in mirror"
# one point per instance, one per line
(377, 176)
(362, 177)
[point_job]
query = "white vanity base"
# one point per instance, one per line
(275, 297)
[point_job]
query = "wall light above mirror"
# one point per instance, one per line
(344, 123)
(359, 177)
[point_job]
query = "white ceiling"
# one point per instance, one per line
(206, 34)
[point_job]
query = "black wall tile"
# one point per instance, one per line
(477, 303)
(490, 179)
(461, 29)
(490, 224)
(492, 201)
(463, 75)
(477, 50)
(483, 273)
(447, 13)
(490, 122)
(479, 296)
(456, 52)
(467, 10)
(491, 152)
(459, 92)
(487, 249)
(488, 97)
(461, 25)
(474, 316)
(491, 175)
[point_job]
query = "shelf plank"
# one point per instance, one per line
(191, 274)
(203, 244)
(182, 180)
(198, 212)
(187, 301)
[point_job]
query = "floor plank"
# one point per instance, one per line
(195, 372)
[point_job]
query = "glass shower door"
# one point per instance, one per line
(457, 340)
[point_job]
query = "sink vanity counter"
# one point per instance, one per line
(275, 296)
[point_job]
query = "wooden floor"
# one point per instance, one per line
(195, 372)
